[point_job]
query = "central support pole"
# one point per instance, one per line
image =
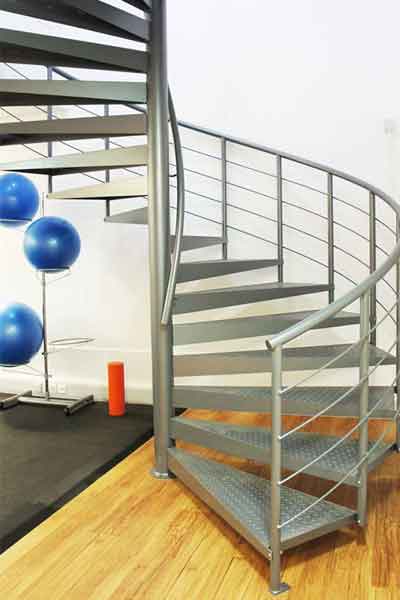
(159, 232)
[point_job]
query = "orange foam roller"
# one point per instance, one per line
(116, 389)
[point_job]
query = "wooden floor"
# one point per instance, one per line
(131, 536)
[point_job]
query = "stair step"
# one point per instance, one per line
(244, 501)
(302, 401)
(35, 49)
(138, 216)
(247, 294)
(229, 329)
(135, 187)
(33, 132)
(93, 15)
(298, 450)
(15, 92)
(259, 361)
(141, 4)
(99, 160)
(194, 242)
(195, 270)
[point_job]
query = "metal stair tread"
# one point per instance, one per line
(243, 500)
(94, 15)
(245, 294)
(33, 132)
(301, 401)
(135, 187)
(298, 450)
(16, 92)
(36, 49)
(259, 361)
(193, 242)
(253, 326)
(79, 163)
(193, 270)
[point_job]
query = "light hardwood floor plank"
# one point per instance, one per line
(130, 536)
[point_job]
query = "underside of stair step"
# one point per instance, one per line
(302, 401)
(94, 15)
(247, 294)
(119, 158)
(298, 450)
(20, 92)
(34, 49)
(244, 501)
(195, 270)
(33, 132)
(193, 242)
(259, 361)
(229, 329)
(135, 187)
(137, 216)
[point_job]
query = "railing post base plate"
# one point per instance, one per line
(283, 588)
(158, 475)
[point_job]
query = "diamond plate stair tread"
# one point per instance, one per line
(259, 361)
(35, 49)
(33, 132)
(302, 401)
(243, 500)
(91, 14)
(78, 163)
(229, 329)
(135, 187)
(297, 450)
(194, 270)
(247, 294)
(14, 92)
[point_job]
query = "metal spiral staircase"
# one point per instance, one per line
(356, 288)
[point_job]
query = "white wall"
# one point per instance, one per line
(310, 77)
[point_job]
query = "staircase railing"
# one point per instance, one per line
(265, 176)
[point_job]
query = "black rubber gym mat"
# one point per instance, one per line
(47, 458)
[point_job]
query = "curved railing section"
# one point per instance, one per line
(180, 217)
(303, 211)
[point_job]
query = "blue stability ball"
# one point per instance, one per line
(19, 200)
(52, 244)
(21, 335)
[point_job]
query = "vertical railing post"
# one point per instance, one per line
(159, 234)
(364, 403)
(107, 146)
(224, 198)
(397, 338)
(331, 241)
(274, 519)
(372, 263)
(46, 369)
(279, 219)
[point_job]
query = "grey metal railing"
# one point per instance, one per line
(373, 305)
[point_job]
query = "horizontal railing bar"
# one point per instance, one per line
(345, 478)
(297, 385)
(336, 358)
(325, 366)
(335, 445)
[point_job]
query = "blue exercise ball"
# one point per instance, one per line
(21, 335)
(19, 200)
(52, 244)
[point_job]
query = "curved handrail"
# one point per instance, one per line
(180, 217)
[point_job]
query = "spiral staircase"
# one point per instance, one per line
(302, 377)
